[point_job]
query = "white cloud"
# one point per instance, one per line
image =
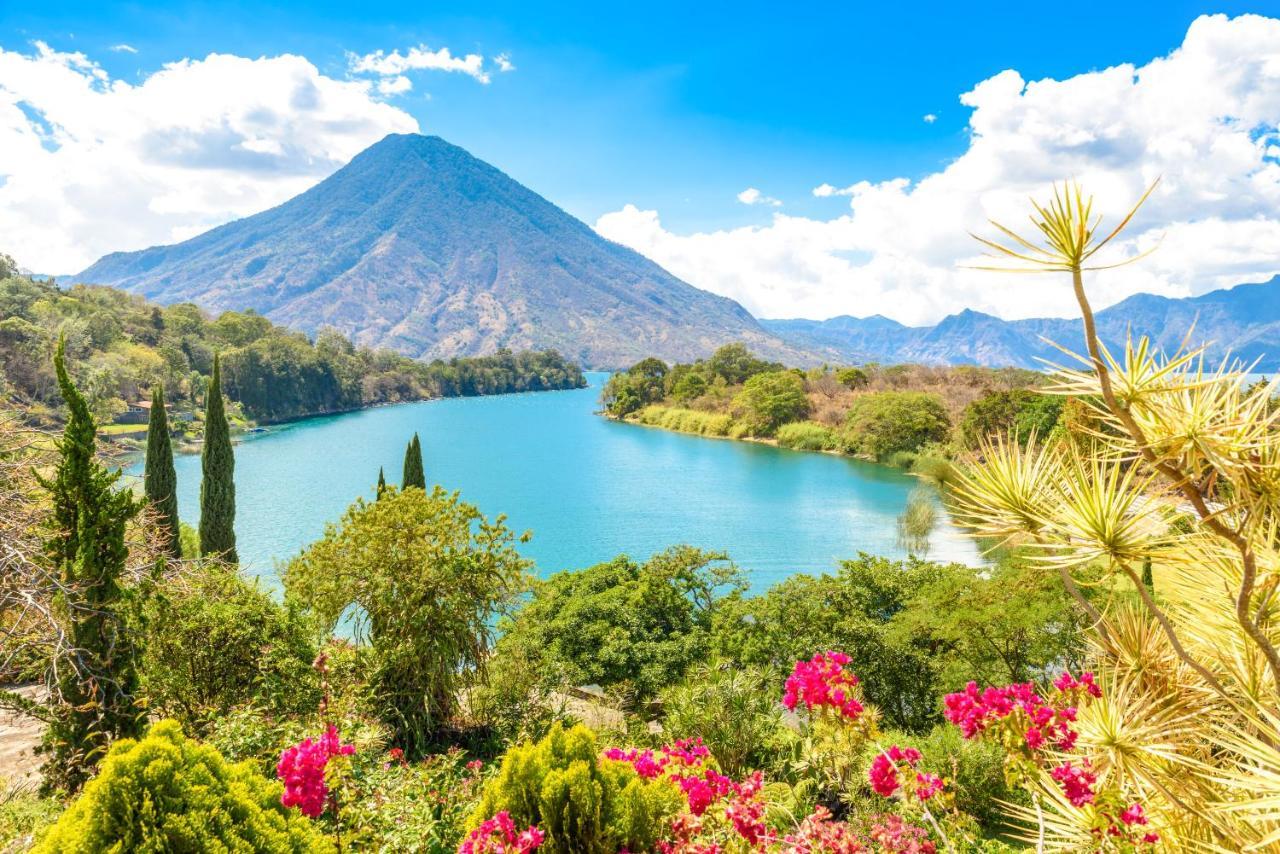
(504, 63)
(1206, 118)
(397, 85)
(420, 58)
(752, 196)
(123, 48)
(930, 118)
(93, 164)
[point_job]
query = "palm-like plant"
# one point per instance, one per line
(1182, 474)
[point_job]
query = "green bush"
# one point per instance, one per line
(394, 806)
(772, 399)
(808, 436)
(585, 804)
(219, 642)
(890, 422)
(976, 769)
(169, 793)
(733, 709)
(23, 815)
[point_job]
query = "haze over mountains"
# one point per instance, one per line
(1244, 320)
(419, 246)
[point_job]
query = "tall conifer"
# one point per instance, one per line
(97, 680)
(217, 484)
(382, 483)
(413, 472)
(160, 480)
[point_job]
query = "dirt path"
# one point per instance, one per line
(19, 735)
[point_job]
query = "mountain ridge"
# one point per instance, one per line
(419, 246)
(1243, 320)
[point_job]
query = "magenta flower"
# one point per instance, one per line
(302, 768)
(1077, 782)
(823, 682)
(498, 836)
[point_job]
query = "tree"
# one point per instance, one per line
(427, 575)
(160, 479)
(217, 484)
(1018, 412)
(853, 378)
(8, 267)
(382, 483)
(890, 422)
(95, 682)
(734, 363)
(1182, 471)
(413, 472)
(633, 627)
(773, 399)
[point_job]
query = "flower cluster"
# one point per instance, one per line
(1077, 782)
(302, 768)
(1043, 723)
(818, 834)
(822, 682)
(892, 833)
(892, 766)
(686, 753)
(498, 836)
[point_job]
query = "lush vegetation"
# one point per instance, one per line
(896, 414)
(120, 346)
(1109, 683)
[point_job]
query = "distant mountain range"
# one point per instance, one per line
(418, 246)
(1244, 320)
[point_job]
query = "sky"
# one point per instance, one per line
(811, 161)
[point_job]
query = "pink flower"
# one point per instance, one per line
(927, 785)
(1133, 815)
(822, 682)
(883, 776)
(1077, 782)
(302, 768)
(498, 836)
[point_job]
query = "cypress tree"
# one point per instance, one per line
(382, 483)
(217, 484)
(98, 683)
(160, 480)
(413, 473)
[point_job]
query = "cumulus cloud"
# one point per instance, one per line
(420, 58)
(397, 85)
(1206, 118)
(930, 118)
(504, 63)
(94, 164)
(752, 196)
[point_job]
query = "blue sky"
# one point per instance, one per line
(648, 121)
(672, 106)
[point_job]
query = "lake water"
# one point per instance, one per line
(588, 488)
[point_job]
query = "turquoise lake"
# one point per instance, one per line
(588, 488)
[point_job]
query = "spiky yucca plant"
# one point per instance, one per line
(1181, 474)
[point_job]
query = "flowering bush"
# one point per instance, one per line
(823, 683)
(1039, 738)
(498, 835)
(302, 770)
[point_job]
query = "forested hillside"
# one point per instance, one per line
(120, 345)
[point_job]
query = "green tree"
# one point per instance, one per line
(772, 399)
(217, 484)
(734, 364)
(853, 378)
(382, 483)
(95, 676)
(427, 575)
(626, 626)
(890, 422)
(160, 479)
(413, 471)
(1021, 413)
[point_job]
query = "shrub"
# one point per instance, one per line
(888, 422)
(23, 815)
(427, 574)
(808, 436)
(773, 399)
(733, 709)
(585, 804)
(977, 770)
(391, 805)
(621, 624)
(218, 642)
(169, 793)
